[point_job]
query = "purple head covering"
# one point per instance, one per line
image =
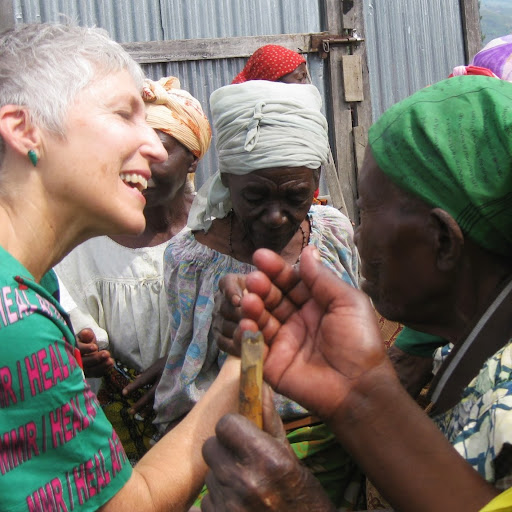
(496, 56)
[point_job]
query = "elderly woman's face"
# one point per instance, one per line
(298, 76)
(102, 165)
(168, 178)
(397, 257)
(271, 203)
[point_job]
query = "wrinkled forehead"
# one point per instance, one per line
(276, 175)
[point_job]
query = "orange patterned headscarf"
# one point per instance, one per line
(270, 62)
(177, 113)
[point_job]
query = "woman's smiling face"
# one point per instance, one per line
(103, 162)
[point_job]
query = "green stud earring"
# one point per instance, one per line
(32, 156)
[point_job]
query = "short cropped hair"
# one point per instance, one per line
(44, 66)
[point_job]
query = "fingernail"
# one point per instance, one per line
(316, 255)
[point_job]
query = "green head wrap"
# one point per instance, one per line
(451, 145)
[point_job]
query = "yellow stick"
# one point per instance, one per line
(251, 377)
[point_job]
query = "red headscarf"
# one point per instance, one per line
(270, 62)
(472, 70)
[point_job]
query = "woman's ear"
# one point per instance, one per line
(449, 239)
(193, 165)
(17, 129)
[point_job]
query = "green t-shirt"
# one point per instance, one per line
(58, 451)
(50, 283)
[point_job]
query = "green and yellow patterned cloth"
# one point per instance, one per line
(136, 432)
(480, 426)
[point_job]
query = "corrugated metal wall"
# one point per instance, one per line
(154, 20)
(410, 44)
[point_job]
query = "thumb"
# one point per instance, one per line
(325, 286)
(86, 336)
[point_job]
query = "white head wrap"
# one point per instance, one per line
(258, 125)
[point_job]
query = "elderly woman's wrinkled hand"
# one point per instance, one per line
(315, 325)
(227, 311)
(96, 362)
(253, 471)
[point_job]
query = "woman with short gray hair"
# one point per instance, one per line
(75, 158)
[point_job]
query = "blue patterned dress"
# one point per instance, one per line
(192, 272)
(480, 425)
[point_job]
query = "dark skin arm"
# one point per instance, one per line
(97, 362)
(316, 325)
(227, 311)
(263, 474)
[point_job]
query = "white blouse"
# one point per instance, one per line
(119, 293)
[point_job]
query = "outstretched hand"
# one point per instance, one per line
(315, 326)
(324, 350)
(96, 362)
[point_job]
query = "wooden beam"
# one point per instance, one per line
(360, 143)
(471, 28)
(333, 184)
(202, 49)
(351, 108)
(340, 125)
(346, 160)
(6, 15)
(353, 19)
(353, 78)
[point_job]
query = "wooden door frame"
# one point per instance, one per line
(350, 120)
(471, 28)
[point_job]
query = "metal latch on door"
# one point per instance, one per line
(322, 42)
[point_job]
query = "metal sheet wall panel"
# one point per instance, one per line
(231, 18)
(125, 20)
(155, 20)
(410, 44)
